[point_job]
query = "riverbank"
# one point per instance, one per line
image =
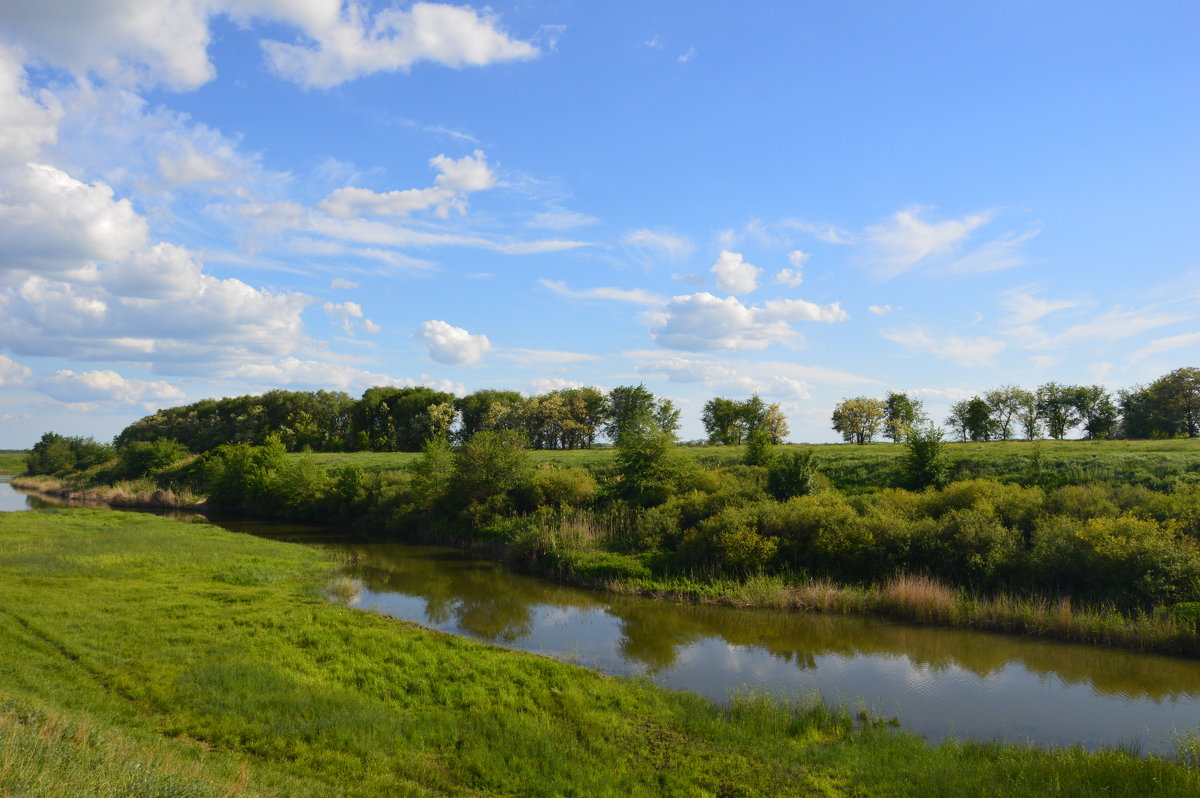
(151, 656)
(560, 551)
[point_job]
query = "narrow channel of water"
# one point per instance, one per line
(938, 682)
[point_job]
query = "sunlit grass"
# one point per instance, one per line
(149, 657)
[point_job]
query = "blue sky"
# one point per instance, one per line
(808, 201)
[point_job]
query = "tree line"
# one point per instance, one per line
(389, 419)
(1166, 408)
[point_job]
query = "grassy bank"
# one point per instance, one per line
(149, 657)
(12, 462)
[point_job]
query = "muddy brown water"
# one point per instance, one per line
(938, 682)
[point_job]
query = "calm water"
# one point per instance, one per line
(938, 682)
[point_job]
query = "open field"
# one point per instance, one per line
(151, 657)
(854, 469)
(12, 462)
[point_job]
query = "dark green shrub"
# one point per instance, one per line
(925, 463)
(759, 451)
(56, 454)
(489, 466)
(730, 543)
(141, 458)
(792, 473)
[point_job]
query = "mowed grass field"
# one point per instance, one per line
(852, 468)
(148, 657)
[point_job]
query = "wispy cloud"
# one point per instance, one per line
(636, 296)
(965, 351)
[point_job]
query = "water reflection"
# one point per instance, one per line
(937, 681)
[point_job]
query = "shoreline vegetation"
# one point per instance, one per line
(155, 657)
(574, 543)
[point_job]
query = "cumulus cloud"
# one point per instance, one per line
(106, 386)
(636, 296)
(27, 123)
(735, 275)
(962, 350)
(135, 43)
(456, 179)
(703, 322)
(882, 310)
(347, 42)
(794, 276)
(743, 378)
(52, 223)
(452, 345)
(13, 373)
(661, 243)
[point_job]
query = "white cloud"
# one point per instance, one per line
(456, 179)
(452, 345)
(342, 284)
(907, 240)
(661, 243)
(794, 276)
(131, 42)
(688, 56)
(13, 373)
(964, 351)
(1000, 253)
(882, 310)
(703, 322)
(52, 223)
(1160, 345)
(27, 123)
(104, 385)
(735, 275)
(1025, 308)
(348, 43)
(636, 296)
(331, 375)
(541, 385)
(189, 165)
(741, 377)
(561, 219)
(654, 42)
(347, 312)
(371, 327)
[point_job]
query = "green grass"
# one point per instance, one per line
(855, 469)
(148, 657)
(12, 462)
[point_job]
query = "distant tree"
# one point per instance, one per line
(649, 465)
(1027, 413)
(1177, 396)
(902, 414)
(724, 421)
(859, 419)
(1005, 405)
(979, 420)
(1097, 411)
(1056, 406)
(474, 407)
(56, 454)
(959, 419)
(775, 423)
(634, 409)
(491, 464)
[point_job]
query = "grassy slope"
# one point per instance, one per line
(855, 468)
(149, 657)
(12, 462)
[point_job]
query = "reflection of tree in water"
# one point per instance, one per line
(481, 597)
(486, 600)
(653, 633)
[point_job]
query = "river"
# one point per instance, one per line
(938, 682)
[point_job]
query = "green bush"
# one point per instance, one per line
(489, 467)
(141, 458)
(557, 487)
(729, 543)
(792, 473)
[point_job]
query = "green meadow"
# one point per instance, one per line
(155, 658)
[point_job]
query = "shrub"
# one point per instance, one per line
(925, 461)
(140, 458)
(729, 542)
(791, 474)
(491, 465)
(758, 448)
(556, 487)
